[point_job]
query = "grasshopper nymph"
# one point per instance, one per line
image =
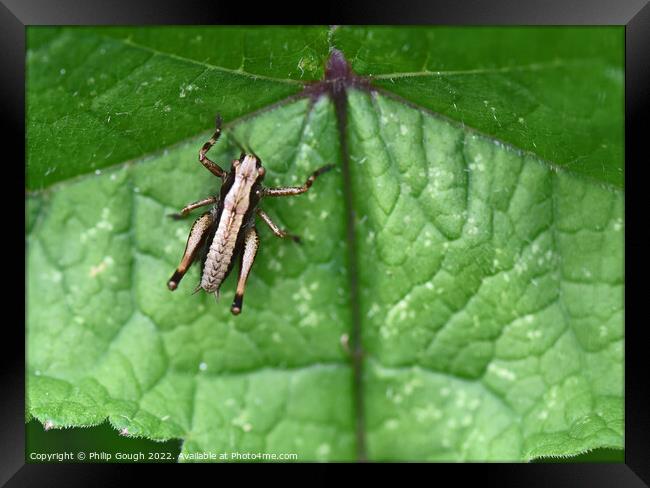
(227, 231)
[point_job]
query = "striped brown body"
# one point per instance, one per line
(238, 199)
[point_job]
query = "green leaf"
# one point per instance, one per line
(489, 273)
(107, 339)
(491, 294)
(554, 91)
(101, 96)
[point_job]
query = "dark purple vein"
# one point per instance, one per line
(338, 78)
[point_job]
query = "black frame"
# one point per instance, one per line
(634, 14)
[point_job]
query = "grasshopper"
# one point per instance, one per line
(227, 231)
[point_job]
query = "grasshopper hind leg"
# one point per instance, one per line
(251, 245)
(200, 229)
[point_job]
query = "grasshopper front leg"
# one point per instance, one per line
(287, 191)
(191, 206)
(211, 166)
(274, 227)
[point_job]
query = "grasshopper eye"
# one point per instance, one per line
(261, 171)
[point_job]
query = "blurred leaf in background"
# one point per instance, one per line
(102, 441)
(486, 174)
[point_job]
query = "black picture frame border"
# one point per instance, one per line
(15, 15)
